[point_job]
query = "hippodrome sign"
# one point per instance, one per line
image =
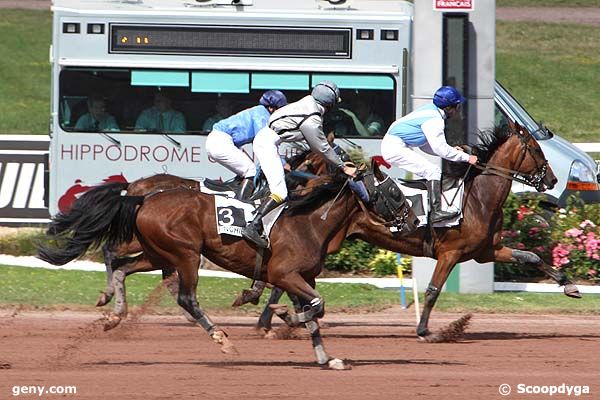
(453, 5)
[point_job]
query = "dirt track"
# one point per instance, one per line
(165, 358)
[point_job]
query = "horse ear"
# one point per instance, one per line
(514, 126)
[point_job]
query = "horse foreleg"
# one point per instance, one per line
(508, 255)
(250, 296)
(108, 293)
(312, 302)
(443, 267)
(188, 282)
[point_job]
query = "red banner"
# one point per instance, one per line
(453, 5)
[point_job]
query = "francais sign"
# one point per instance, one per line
(453, 5)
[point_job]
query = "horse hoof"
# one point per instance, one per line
(270, 335)
(338, 365)
(111, 322)
(572, 291)
(247, 296)
(227, 346)
(103, 300)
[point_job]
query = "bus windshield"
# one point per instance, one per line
(190, 102)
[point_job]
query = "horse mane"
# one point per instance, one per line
(488, 142)
(319, 191)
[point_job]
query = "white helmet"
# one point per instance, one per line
(326, 93)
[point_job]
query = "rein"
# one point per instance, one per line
(534, 180)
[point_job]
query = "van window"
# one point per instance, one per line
(516, 111)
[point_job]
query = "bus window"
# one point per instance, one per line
(367, 108)
(190, 102)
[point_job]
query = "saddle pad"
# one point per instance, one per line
(227, 193)
(233, 215)
(419, 201)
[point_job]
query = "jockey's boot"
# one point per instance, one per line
(253, 232)
(434, 189)
(246, 189)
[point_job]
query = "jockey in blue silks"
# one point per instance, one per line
(228, 135)
(424, 128)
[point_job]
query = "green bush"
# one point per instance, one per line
(354, 256)
(526, 226)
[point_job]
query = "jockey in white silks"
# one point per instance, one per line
(228, 135)
(424, 128)
(299, 121)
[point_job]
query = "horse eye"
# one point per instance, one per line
(395, 192)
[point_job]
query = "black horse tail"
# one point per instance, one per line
(102, 215)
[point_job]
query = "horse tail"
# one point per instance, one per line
(102, 215)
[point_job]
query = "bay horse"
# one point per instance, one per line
(512, 153)
(175, 227)
(128, 258)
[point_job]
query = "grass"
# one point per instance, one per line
(24, 71)
(546, 3)
(550, 68)
(552, 73)
(43, 288)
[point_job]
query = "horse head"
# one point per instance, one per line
(387, 201)
(529, 161)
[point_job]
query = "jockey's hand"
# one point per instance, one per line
(472, 159)
(350, 169)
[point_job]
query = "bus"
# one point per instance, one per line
(200, 61)
(208, 60)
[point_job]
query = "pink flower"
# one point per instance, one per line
(520, 246)
(586, 223)
(592, 272)
(573, 232)
(534, 231)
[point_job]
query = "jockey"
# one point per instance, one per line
(424, 128)
(302, 120)
(228, 135)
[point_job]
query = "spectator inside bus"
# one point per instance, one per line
(161, 117)
(363, 121)
(96, 119)
(224, 109)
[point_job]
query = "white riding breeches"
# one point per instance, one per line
(397, 153)
(220, 148)
(265, 148)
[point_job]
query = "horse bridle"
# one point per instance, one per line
(535, 180)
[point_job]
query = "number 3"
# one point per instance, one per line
(226, 216)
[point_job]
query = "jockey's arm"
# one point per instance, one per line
(312, 130)
(434, 132)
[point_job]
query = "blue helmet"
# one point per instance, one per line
(447, 96)
(326, 93)
(273, 98)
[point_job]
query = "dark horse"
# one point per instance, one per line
(175, 227)
(512, 153)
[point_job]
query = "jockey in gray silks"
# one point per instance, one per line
(299, 121)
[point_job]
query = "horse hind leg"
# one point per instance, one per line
(107, 294)
(188, 282)
(171, 282)
(264, 321)
(508, 255)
